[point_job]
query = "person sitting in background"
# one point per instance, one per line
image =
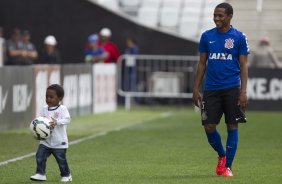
(14, 48)
(264, 55)
(50, 54)
(110, 47)
(20, 50)
(29, 53)
(94, 54)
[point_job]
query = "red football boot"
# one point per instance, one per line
(220, 168)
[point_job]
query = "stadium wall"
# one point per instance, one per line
(92, 89)
(23, 89)
(265, 89)
(72, 21)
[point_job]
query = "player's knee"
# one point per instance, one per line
(209, 128)
(232, 126)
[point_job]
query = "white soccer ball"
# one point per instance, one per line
(40, 128)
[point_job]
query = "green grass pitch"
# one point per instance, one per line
(146, 145)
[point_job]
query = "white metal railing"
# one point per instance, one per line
(155, 76)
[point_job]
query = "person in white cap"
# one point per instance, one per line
(50, 54)
(109, 46)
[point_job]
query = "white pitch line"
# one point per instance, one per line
(17, 159)
(70, 143)
(163, 115)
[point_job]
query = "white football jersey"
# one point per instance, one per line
(58, 138)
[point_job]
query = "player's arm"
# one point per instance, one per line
(201, 69)
(243, 100)
(65, 119)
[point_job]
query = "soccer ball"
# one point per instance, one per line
(40, 128)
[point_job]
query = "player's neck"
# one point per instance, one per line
(225, 29)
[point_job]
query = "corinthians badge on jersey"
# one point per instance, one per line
(229, 43)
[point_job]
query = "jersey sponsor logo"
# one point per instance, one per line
(229, 43)
(221, 56)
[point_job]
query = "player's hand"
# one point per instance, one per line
(53, 123)
(197, 98)
(243, 101)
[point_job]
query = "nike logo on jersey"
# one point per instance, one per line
(211, 41)
(222, 56)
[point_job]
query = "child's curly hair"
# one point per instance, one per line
(59, 90)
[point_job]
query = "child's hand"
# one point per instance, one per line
(53, 123)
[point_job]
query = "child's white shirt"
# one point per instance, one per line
(58, 138)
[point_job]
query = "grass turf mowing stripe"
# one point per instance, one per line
(163, 151)
(163, 115)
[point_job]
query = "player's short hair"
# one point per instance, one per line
(59, 90)
(228, 8)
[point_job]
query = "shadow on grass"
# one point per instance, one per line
(28, 181)
(182, 177)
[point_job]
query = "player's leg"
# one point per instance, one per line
(231, 148)
(42, 154)
(230, 110)
(211, 112)
(60, 156)
(231, 143)
(214, 139)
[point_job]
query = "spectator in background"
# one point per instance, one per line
(110, 47)
(94, 54)
(50, 54)
(14, 48)
(264, 55)
(2, 47)
(20, 50)
(29, 53)
(131, 46)
(130, 70)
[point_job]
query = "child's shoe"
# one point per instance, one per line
(38, 177)
(66, 178)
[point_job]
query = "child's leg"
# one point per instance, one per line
(42, 154)
(60, 156)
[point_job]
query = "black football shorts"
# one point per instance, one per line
(218, 102)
